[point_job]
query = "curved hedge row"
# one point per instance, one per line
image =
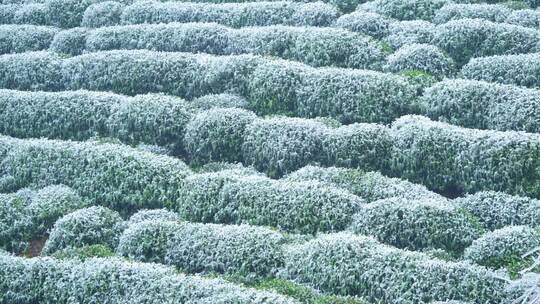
(304, 207)
(231, 14)
(523, 69)
(367, 23)
(25, 38)
(496, 210)
(402, 33)
(483, 105)
(347, 264)
(87, 226)
(311, 45)
(103, 280)
(417, 224)
(455, 11)
(27, 215)
(421, 57)
(525, 17)
(405, 10)
(270, 85)
(196, 247)
(467, 38)
(370, 186)
(504, 247)
(111, 175)
(454, 160)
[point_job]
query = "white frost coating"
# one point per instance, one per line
(421, 57)
(344, 263)
(496, 209)
(526, 17)
(371, 24)
(454, 11)
(404, 9)
(154, 215)
(408, 32)
(87, 226)
(25, 38)
(194, 247)
(504, 247)
(100, 14)
(417, 224)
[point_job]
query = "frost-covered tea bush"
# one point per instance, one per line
(455, 11)
(32, 13)
(154, 215)
(231, 14)
(115, 176)
(405, 9)
(194, 247)
(55, 115)
(217, 135)
(104, 280)
(39, 70)
(367, 23)
(417, 224)
(504, 248)
(354, 95)
(304, 207)
(67, 13)
(365, 146)
(467, 38)
(280, 145)
(483, 105)
(141, 71)
(220, 101)
(455, 159)
(523, 69)
(25, 38)
(49, 204)
(101, 14)
(12, 221)
(496, 210)
(370, 186)
(7, 12)
(343, 263)
(87, 226)
(154, 119)
(408, 32)
(421, 57)
(312, 45)
(525, 17)
(70, 42)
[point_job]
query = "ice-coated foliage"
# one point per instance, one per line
(111, 280)
(483, 105)
(354, 95)
(370, 186)
(280, 145)
(195, 247)
(236, 168)
(522, 69)
(454, 159)
(100, 14)
(154, 215)
(417, 224)
(12, 221)
(39, 70)
(70, 42)
(343, 263)
(48, 205)
(454, 11)
(467, 38)
(408, 32)
(525, 17)
(217, 135)
(359, 145)
(55, 115)
(7, 12)
(496, 210)
(25, 38)
(115, 176)
(231, 14)
(367, 23)
(220, 101)
(32, 13)
(421, 57)
(524, 290)
(155, 119)
(312, 45)
(504, 247)
(141, 71)
(67, 13)
(304, 207)
(405, 9)
(87, 226)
